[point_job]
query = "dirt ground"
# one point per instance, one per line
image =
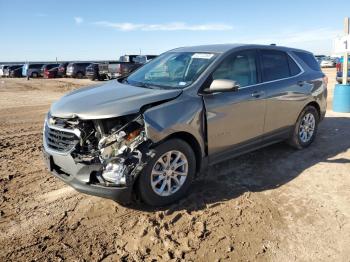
(275, 204)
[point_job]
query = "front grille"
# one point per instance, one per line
(60, 140)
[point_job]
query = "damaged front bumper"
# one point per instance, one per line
(79, 176)
(111, 170)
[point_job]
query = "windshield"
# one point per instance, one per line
(172, 70)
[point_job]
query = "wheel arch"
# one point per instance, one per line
(191, 141)
(315, 105)
(79, 72)
(184, 136)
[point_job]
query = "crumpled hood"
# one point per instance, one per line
(112, 99)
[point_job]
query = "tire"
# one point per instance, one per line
(34, 75)
(79, 75)
(298, 139)
(147, 192)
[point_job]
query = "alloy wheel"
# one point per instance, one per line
(169, 173)
(307, 127)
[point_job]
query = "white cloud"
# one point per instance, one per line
(296, 37)
(78, 20)
(176, 26)
(317, 40)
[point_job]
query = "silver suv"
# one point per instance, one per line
(149, 134)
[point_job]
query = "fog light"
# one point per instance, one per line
(115, 173)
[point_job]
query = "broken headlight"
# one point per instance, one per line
(124, 152)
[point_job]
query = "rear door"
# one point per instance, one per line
(286, 92)
(235, 120)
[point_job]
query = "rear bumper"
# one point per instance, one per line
(61, 73)
(91, 75)
(79, 176)
(340, 79)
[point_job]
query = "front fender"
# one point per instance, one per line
(183, 114)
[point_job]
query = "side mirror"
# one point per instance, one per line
(222, 85)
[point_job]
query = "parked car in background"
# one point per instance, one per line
(15, 71)
(319, 58)
(149, 134)
(7, 71)
(127, 64)
(128, 58)
(92, 72)
(339, 77)
(32, 70)
(77, 69)
(108, 70)
(51, 73)
(115, 69)
(328, 62)
(143, 59)
(2, 69)
(62, 69)
(126, 68)
(47, 67)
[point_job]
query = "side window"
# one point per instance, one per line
(35, 66)
(309, 59)
(275, 65)
(240, 67)
(293, 67)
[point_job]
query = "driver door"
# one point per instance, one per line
(235, 119)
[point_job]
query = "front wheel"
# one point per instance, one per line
(168, 175)
(305, 129)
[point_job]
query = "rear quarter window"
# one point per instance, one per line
(293, 67)
(309, 60)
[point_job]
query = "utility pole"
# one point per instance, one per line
(346, 54)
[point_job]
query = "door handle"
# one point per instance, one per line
(257, 94)
(300, 83)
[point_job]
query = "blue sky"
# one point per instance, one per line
(84, 30)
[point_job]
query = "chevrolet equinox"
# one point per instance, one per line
(147, 135)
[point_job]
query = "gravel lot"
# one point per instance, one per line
(275, 204)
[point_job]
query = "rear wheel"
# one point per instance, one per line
(168, 175)
(80, 75)
(34, 75)
(305, 128)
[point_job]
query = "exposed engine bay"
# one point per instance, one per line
(119, 145)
